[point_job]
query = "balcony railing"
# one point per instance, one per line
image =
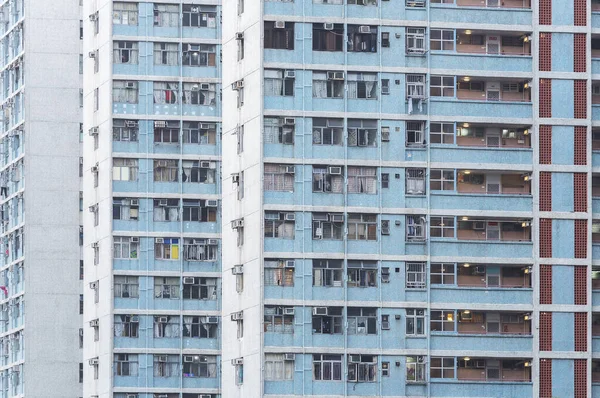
(489, 3)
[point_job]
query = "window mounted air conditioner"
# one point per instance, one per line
(290, 217)
(135, 318)
(163, 319)
(212, 203)
(195, 9)
(288, 311)
(337, 217)
(134, 239)
(289, 357)
(130, 85)
(204, 86)
(188, 280)
(212, 320)
(188, 358)
(279, 25)
(364, 29)
(159, 240)
(132, 396)
(385, 227)
(237, 361)
(93, 362)
(94, 323)
(335, 75)
(162, 202)
(328, 26)
(320, 311)
(289, 121)
(237, 270)
(204, 396)
(237, 316)
(334, 170)
(205, 126)
(135, 202)
(212, 242)
(290, 263)
(290, 169)
(160, 123)
(93, 17)
(289, 74)
(193, 47)
(353, 358)
(385, 134)
(161, 163)
(94, 285)
(479, 225)
(239, 36)
(93, 131)
(92, 54)
(95, 245)
(131, 123)
(238, 85)
(162, 358)
(204, 164)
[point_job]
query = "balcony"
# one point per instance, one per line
(511, 12)
(595, 51)
(494, 369)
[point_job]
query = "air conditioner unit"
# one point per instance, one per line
(160, 123)
(93, 131)
(193, 47)
(94, 323)
(353, 358)
(279, 25)
(239, 36)
(212, 203)
(288, 311)
(290, 169)
(135, 318)
(188, 280)
(237, 85)
(93, 361)
(92, 54)
(385, 227)
(290, 263)
(92, 209)
(479, 225)
(95, 245)
(334, 170)
(161, 163)
(94, 285)
(239, 223)
(289, 357)
(130, 85)
(132, 396)
(94, 169)
(163, 319)
(385, 135)
(134, 239)
(93, 17)
(337, 217)
(237, 316)
(212, 320)
(204, 86)
(289, 217)
(328, 26)
(163, 202)
(237, 361)
(237, 270)
(131, 123)
(135, 202)
(289, 121)
(335, 75)
(188, 358)
(421, 359)
(195, 9)
(159, 240)
(364, 29)
(162, 358)
(205, 164)
(212, 242)
(290, 74)
(204, 396)
(81, 332)
(319, 311)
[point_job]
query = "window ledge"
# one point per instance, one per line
(509, 56)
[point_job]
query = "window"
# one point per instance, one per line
(279, 273)
(127, 326)
(362, 86)
(126, 364)
(125, 247)
(200, 249)
(166, 170)
(362, 321)
(239, 374)
(199, 55)
(441, 180)
(166, 15)
(125, 209)
(362, 226)
(199, 133)
(200, 327)
(278, 368)
(279, 35)
(327, 179)
(362, 132)
(441, 368)
(199, 16)
(327, 367)
(126, 286)
(198, 172)
(166, 54)
(81, 364)
(327, 320)
(442, 321)
(125, 92)
(125, 130)
(166, 288)
(441, 39)
(441, 133)
(415, 181)
(441, 86)
(442, 274)
(166, 248)
(415, 134)
(199, 94)
(328, 226)
(278, 319)
(328, 37)
(195, 288)
(362, 368)
(240, 328)
(385, 180)
(328, 2)
(277, 131)
(327, 273)
(328, 84)
(166, 326)
(166, 210)
(279, 225)
(477, 40)
(125, 13)
(202, 366)
(166, 365)
(415, 41)
(362, 273)
(415, 369)
(415, 275)
(279, 82)
(362, 38)
(415, 228)
(80, 64)
(441, 227)
(240, 48)
(415, 322)
(125, 169)
(166, 93)
(196, 210)
(362, 179)
(278, 177)
(385, 86)
(478, 86)
(125, 52)
(328, 131)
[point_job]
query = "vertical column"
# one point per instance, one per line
(545, 378)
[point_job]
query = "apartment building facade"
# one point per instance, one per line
(39, 199)
(406, 198)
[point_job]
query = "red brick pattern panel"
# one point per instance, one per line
(580, 331)
(580, 12)
(580, 145)
(545, 144)
(580, 378)
(580, 285)
(545, 237)
(545, 378)
(580, 192)
(545, 99)
(579, 52)
(580, 100)
(580, 238)
(545, 284)
(545, 331)
(545, 191)
(545, 12)
(545, 46)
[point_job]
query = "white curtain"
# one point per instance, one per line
(319, 84)
(187, 324)
(211, 285)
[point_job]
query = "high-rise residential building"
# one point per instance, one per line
(406, 206)
(152, 177)
(40, 113)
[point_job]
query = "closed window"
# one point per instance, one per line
(166, 54)
(166, 170)
(166, 93)
(441, 39)
(327, 367)
(278, 319)
(441, 368)
(125, 247)
(278, 368)
(327, 273)
(166, 287)
(441, 227)
(126, 286)
(125, 169)
(277, 131)
(199, 54)
(199, 16)
(441, 180)
(362, 227)
(441, 133)
(278, 273)
(362, 368)
(199, 133)
(125, 13)
(362, 273)
(329, 84)
(166, 248)
(362, 179)
(362, 321)
(279, 82)
(279, 35)
(362, 132)
(126, 365)
(125, 92)
(328, 37)
(166, 15)
(441, 86)
(199, 288)
(415, 322)
(278, 177)
(442, 274)
(327, 131)
(442, 321)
